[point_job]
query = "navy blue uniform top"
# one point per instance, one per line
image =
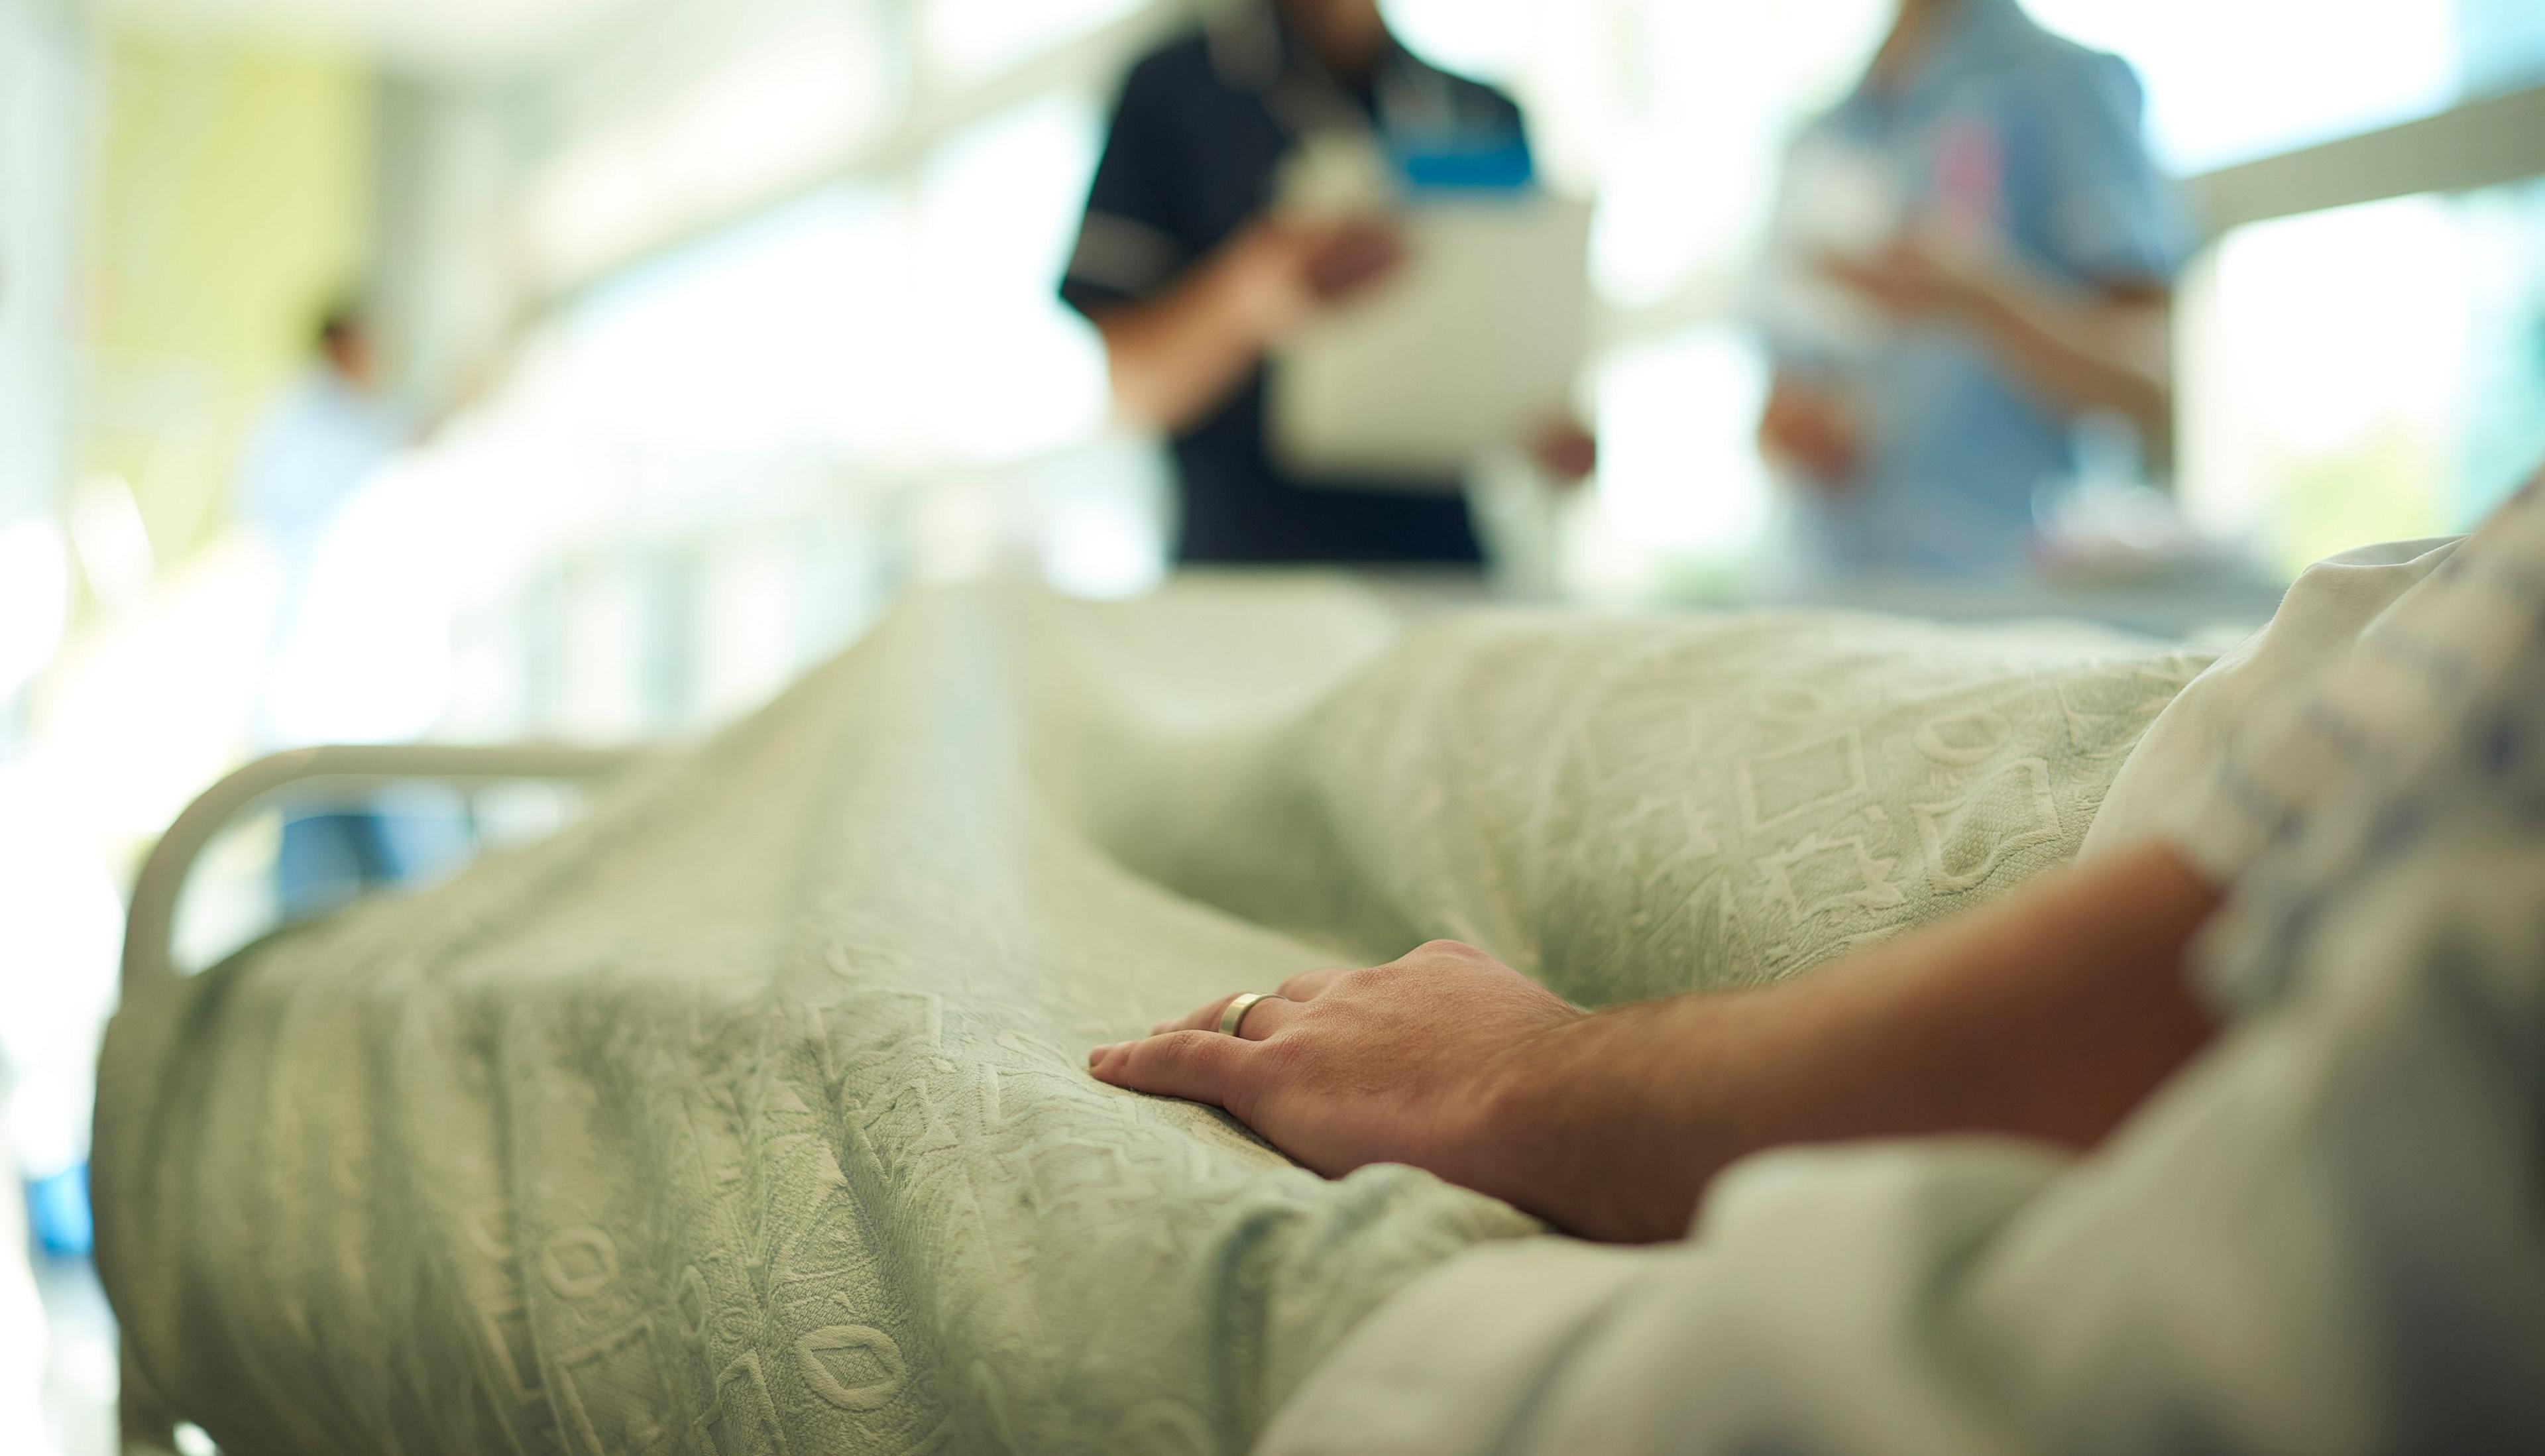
(1200, 132)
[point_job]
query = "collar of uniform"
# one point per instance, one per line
(1253, 49)
(1988, 32)
(1980, 35)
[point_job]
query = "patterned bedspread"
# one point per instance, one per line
(748, 1115)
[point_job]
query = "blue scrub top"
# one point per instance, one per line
(1192, 157)
(2043, 138)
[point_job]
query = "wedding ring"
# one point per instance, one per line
(1233, 1019)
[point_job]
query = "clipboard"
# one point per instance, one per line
(1475, 346)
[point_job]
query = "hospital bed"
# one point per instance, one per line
(748, 1113)
(336, 774)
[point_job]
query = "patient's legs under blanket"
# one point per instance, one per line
(750, 1115)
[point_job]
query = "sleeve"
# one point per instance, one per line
(2390, 711)
(1129, 244)
(2319, 623)
(2319, 1237)
(2112, 216)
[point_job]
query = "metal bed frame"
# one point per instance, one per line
(147, 1425)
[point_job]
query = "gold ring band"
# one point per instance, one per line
(1233, 1019)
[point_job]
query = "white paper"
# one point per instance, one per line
(1474, 346)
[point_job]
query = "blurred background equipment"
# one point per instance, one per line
(745, 314)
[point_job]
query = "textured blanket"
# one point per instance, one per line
(749, 1114)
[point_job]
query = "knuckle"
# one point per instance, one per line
(1280, 1055)
(1161, 1053)
(1352, 983)
(1208, 1051)
(1305, 983)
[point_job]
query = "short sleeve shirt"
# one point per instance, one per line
(1192, 157)
(2038, 142)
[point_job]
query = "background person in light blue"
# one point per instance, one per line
(1972, 252)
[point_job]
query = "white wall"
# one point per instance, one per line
(41, 66)
(40, 153)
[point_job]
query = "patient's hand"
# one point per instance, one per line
(1400, 1063)
(2049, 1015)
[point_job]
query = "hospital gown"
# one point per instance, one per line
(2327, 1235)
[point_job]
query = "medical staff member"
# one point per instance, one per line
(1974, 251)
(317, 447)
(1182, 267)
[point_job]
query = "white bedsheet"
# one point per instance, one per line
(2323, 1237)
(750, 1115)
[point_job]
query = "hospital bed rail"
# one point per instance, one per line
(347, 769)
(151, 921)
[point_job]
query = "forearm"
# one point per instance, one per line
(2052, 1016)
(2083, 350)
(1176, 358)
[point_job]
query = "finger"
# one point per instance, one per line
(1309, 985)
(1203, 1019)
(1355, 257)
(1264, 1017)
(1305, 985)
(1196, 1066)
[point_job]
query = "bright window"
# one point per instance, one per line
(902, 321)
(1006, 370)
(761, 339)
(2369, 374)
(2230, 82)
(971, 39)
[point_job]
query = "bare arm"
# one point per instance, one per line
(2051, 1015)
(2111, 348)
(1178, 357)
(2106, 347)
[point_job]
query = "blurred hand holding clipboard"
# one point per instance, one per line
(1472, 347)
